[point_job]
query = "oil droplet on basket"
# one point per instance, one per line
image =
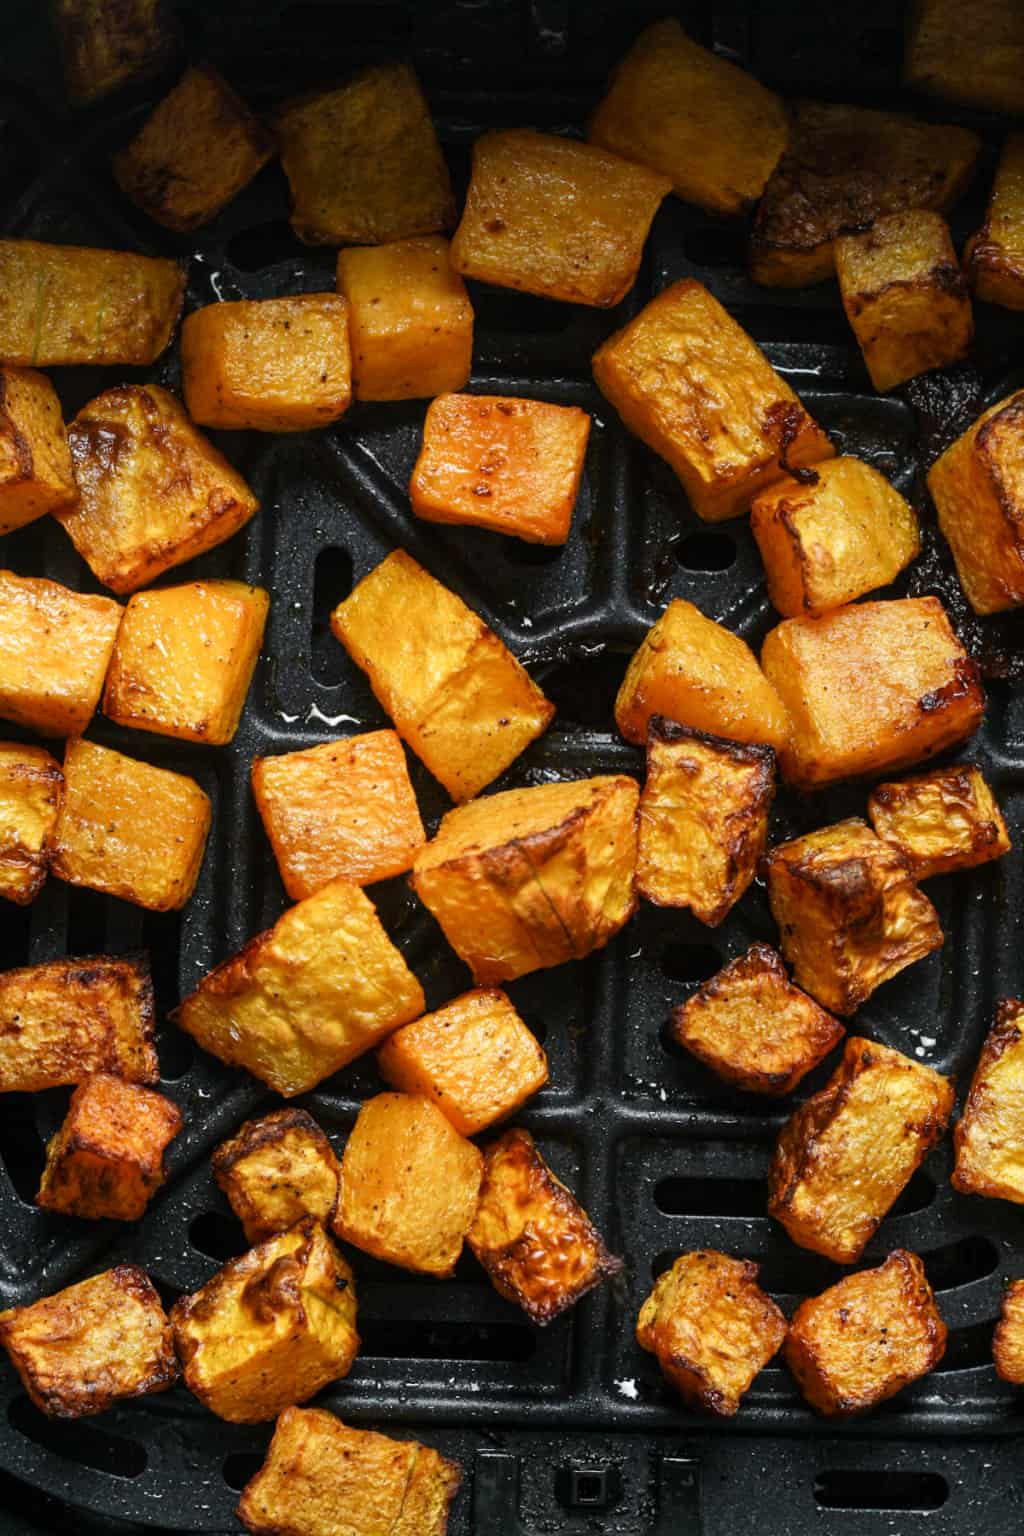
(627, 1387)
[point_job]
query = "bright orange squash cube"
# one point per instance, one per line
(994, 257)
(943, 820)
(276, 1171)
(35, 462)
(107, 1159)
(978, 489)
(55, 647)
(31, 785)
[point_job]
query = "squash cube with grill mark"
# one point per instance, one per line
(35, 462)
(55, 647)
(994, 257)
(943, 820)
(276, 1171)
(989, 1136)
(107, 1159)
(31, 785)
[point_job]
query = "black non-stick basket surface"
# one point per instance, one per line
(567, 1429)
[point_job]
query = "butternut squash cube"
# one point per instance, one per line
(129, 829)
(753, 1027)
(363, 162)
(271, 1328)
(714, 130)
(307, 996)
(35, 464)
(968, 53)
(321, 1478)
(513, 466)
(844, 1157)
(474, 1058)
(409, 1185)
(533, 877)
(711, 1327)
(534, 1239)
(694, 387)
(107, 1159)
(410, 319)
(65, 1020)
(106, 43)
(989, 1136)
(184, 659)
(554, 217)
(55, 647)
(276, 1171)
(1008, 1339)
(870, 688)
(153, 491)
(994, 257)
(196, 150)
(829, 541)
(31, 784)
(943, 820)
(867, 1338)
(457, 695)
(703, 819)
(345, 810)
(272, 365)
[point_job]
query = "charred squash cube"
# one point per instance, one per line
(867, 1338)
(513, 466)
(92, 1345)
(107, 43)
(322, 1478)
(276, 1171)
(533, 877)
(978, 489)
(870, 688)
(845, 1156)
(410, 319)
(534, 1239)
(55, 647)
(271, 1328)
(943, 820)
(714, 130)
(989, 1136)
(409, 1185)
(107, 1159)
(31, 785)
(554, 217)
(753, 1027)
(272, 365)
(475, 1059)
(457, 695)
(968, 53)
(711, 1327)
(306, 997)
(35, 464)
(129, 829)
(153, 492)
(994, 257)
(345, 810)
(829, 541)
(1008, 1339)
(184, 659)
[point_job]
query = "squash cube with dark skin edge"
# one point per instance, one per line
(55, 647)
(343, 810)
(941, 821)
(107, 43)
(693, 386)
(409, 1185)
(973, 54)
(271, 1329)
(35, 462)
(276, 1171)
(31, 785)
(307, 996)
(533, 877)
(321, 1478)
(103, 1341)
(474, 1058)
(845, 1156)
(555, 217)
(712, 1329)
(866, 1338)
(107, 1159)
(989, 1136)
(994, 257)
(1008, 1338)
(752, 1027)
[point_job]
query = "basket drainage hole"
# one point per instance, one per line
(855, 1488)
(583, 688)
(216, 1235)
(706, 552)
(332, 580)
(78, 1442)
(239, 1467)
(700, 1196)
(21, 1146)
(263, 246)
(689, 962)
(392, 1340)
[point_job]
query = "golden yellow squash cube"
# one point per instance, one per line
(363, 162)
(829, 540)
(943, 820)
(474, 1058)
(457, 695)
(551, 216)
(272, 365)
(692, 385)
(533, 877)
(184, 659)
(753, 1027)
(345, 810)
(322, 1478)
(55, 647)
(35, 462)
(968, 53)
(711, 1327)
(870, 688)
(978, 489)
(31, 785)
(410, 319)
(846, 1155)
(106, 43)
(271, 1328)
(994, 257)
(989, 1136)
(307, 996)
(409, 1184)
(94, 1344)
(711, 128)
(107, 1159)
(1008, 1339)
(276, 1171)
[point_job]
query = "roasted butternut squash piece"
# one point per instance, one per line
(994, 257)
(106, 43)
(943, 820)
(989, 1136)
(978, 489)
(107, 1159)
(31, 785)
(968, 53)
(1008, 1339)
(276, 1171)
(55, 647)
(35, 464)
